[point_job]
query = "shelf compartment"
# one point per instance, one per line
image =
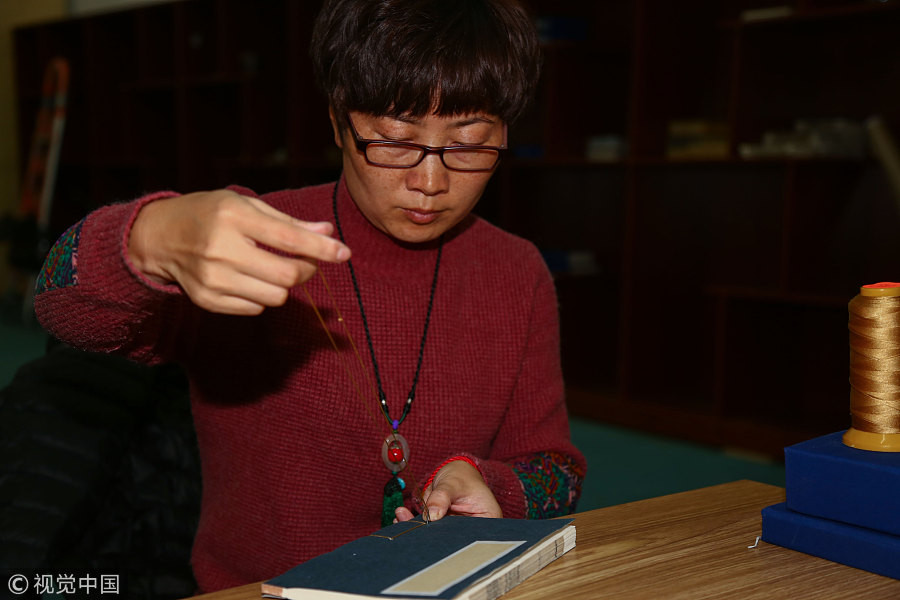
(155, 41)
(783, 367)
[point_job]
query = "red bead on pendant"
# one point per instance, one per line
(395, 452)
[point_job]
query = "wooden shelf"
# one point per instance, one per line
(653, 161)
(718, 310)
(561, 162)
(777, 296)
(702, 426)
(726, 322)
(814, 14)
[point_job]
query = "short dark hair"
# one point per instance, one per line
(450, 57)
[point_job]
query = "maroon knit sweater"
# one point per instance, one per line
(291, 452)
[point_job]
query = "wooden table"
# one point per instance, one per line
(688, 545)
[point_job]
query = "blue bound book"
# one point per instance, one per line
(455, 557)
(825, 478)
(846, 544)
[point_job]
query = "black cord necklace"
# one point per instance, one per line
(395, 448)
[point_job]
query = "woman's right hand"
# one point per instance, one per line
(209, 243)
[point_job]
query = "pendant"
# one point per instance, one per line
(395, 452)
(393, 499)
(395, 455)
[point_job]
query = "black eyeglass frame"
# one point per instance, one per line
(363, 143)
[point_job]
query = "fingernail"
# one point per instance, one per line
(343, 253)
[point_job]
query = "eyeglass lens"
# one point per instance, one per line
(464, 159)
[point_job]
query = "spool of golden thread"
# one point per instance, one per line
(875, 368)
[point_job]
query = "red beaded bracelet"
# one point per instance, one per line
(448, 461)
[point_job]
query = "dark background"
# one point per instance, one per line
(702, 295)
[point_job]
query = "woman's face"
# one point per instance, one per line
(420, 203)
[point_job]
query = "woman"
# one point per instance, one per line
(331, 393)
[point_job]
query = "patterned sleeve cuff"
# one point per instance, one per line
(61, 265)
(552, 484)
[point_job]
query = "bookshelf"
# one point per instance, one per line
(718, 308)
(712, 304)
(181, 95)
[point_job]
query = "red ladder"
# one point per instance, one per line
(28, 230)
(40, 177)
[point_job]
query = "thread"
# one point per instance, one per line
(874, 327)
(417, 491)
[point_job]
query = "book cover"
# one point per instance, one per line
(825, 478)
(454, 558)
(858, 547)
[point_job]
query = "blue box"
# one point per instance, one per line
(858, 547)
(825, 478)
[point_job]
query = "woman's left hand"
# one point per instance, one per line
(457, 489)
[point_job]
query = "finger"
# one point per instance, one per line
(323, 227)
(228, 305)
(476, 509)
(297, 241)
(438, 504)
(282, 271)
(303, 238)
(234, 293)
(403, 514)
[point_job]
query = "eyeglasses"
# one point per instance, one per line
(406, 155)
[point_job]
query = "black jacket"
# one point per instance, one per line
(99, 474)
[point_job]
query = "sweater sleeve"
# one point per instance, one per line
(534, 469)
(89, 295)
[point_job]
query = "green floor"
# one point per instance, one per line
(18, 343)
(623, 465)
(626, 465)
